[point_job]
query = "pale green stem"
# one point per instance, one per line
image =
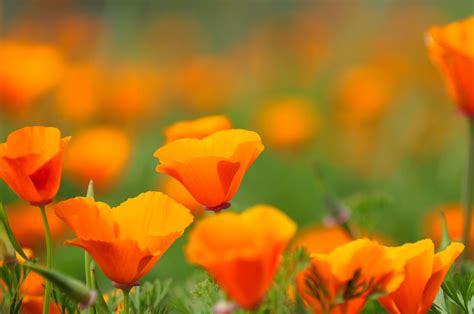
(126, 305)
(49, 259)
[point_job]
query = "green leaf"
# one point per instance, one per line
(445, 239)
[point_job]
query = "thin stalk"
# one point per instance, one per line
(49, 259)
(87, 258)
(126, 305)
(468, 190)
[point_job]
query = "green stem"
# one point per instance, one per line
(468, 190)
(49, 259)
(126, 305)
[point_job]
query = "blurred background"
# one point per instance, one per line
(342, 92)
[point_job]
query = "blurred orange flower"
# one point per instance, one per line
(204, 83)
(30, 163)
(242, 251)
(454, 217)
(212, 168)
(27, 226)
(424, 273)
(289, 124)
(363, 95)
(198, 128)
(130, 91)
(125, 241)
(174, 189)
(32, 290)
(98, 154)
(31, 70)
(323, 240)
(353, 271)
(451, 48)
(78, 95)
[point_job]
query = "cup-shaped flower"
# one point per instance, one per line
(424, 274)
(198, 128)
(212, 168)
(242, 251)
(125, 241)
(451, 48)
(31, 162)
(341, 281)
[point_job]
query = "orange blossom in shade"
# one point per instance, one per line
(320, 239)
(32, 290)
(31, 161)
(125, 241)
(451, 48)
(198, 128)
(26, 224)
(424, 274)
(288, 124)
(174, 189)
(212, 168)
(31, 70)
(454, 217)
(353, 272)
(241, 251)
(99, 154)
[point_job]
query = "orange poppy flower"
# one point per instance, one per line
(354, 271)
(451, 48)
(174, 189)
(454, 217)
(424, 274)
(199, 128)
(321, 239)
(100, 154)
(31, 70)
(32, 290)
(26, 224)
(240, 252)
(289, 124)
(212, 168)
(125, 241)
(30, 163)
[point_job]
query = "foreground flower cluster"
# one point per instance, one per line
(241, 251)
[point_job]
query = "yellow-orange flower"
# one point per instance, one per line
(454, 217)
(30, 163)
(353, 272)
(242, 251)
(98, 154)
(125, 241)
(26, 224)
(199, 128)
(289, 124)
(321, 239)
(27, 72)
(212, 168)
(451, 48)
(174, 189)
(424, 274)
